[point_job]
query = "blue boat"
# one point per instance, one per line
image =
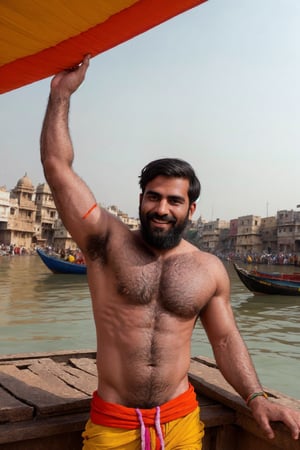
(57, 265)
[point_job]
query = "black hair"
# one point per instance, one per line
(171, 167)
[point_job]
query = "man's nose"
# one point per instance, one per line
(162, 207)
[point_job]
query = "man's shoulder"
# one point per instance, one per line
(202, 255)
(210, 262)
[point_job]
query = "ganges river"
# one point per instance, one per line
(40, 311)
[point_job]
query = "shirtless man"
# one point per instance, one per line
(148, 288)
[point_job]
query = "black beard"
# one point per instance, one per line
(162, 239)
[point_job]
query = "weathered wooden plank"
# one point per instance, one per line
(282, 438)
(43, 382)
(64, 441)
(86, 364)
(217, 415)
(227, 438)
(210, 438)
(42, 428)
(65, 376)
(12, 410)
(205, 401)
(59, 356)
(44, 393)
(209, 381)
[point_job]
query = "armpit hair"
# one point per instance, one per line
(97, 248)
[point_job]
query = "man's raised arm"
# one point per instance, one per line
(75, 202)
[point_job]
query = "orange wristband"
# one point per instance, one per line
(89, 211)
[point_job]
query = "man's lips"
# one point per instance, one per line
(162, 220)
(160, 223)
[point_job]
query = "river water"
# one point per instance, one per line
(40, 311)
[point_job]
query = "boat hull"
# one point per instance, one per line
(260, 285)
(57, 265)
(290, 277)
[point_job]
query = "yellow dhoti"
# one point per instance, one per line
(169, 427)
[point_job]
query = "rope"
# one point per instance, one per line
(158, 428)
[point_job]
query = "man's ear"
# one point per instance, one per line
(141, 197)
(192, 209)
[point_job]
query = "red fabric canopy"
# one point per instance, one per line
(39, 39)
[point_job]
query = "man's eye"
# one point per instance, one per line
(152, 197)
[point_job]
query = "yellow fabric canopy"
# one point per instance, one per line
(39, 38)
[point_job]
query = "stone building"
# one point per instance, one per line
(18, 227)
(46, 215)
(248, 235)
(28, 217)
(4, 206)
(268, 234)
(131, 222)
(213, 234)
(62, 240)
(232, 235)
(288, 231)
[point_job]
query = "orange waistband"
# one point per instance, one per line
(119, 416)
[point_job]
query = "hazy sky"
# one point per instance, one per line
(218, 86)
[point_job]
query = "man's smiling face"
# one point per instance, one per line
(165, 211)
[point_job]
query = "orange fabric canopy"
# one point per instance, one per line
(40, 38)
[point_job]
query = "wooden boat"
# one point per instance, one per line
(277, 275)
(260, 285)
(57, 265)
(45, 399)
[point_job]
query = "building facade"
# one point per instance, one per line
(46, 215)
(29, 218)
(18, 227)
(213, 234)
(248, 235)
(288, 231)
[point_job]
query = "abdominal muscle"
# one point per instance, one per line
(142, 358)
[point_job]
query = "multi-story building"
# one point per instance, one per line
(248, 235)
(268, 234)
(18, 228)
(46, 215)
(62, 240)
(232, 235)
(288, 231)
(213, 234)
(131, 222)
(28, 216)
(4, 207)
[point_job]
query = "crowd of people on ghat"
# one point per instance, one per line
(282, 259)
(11, 250)
(70, 255)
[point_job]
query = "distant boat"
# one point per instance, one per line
(57, 265)
(261, 285)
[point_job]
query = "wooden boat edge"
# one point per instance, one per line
(222, 408)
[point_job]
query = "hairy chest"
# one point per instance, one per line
(175, 284)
